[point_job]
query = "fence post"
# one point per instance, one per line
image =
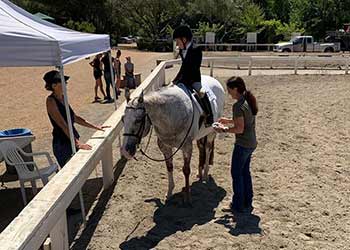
(250, 66)
(161, 79)
(59, 234)
(211, 68)
(296, 66)
(239, 59)
(107, 166)
(346, 65)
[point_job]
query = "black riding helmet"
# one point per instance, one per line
(182, 31)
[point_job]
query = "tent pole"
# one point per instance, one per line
(71, 134)
(112, 79)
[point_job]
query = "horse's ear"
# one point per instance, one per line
(140, 100)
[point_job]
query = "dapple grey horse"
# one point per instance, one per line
(176, 122)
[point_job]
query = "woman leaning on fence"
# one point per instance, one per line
(57, 114)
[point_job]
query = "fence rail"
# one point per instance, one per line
(298, 61)
(239, 46)
(45, 215)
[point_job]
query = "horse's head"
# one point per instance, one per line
(136, 125)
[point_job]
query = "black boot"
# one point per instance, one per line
(207, 110)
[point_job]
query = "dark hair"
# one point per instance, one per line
(52, 77)
(237, 82)
(183, 31)
(48, 86)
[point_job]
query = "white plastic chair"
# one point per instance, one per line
(13, 157)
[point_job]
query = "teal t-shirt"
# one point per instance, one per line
(248, 138)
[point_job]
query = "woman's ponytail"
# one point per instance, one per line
(252, 102)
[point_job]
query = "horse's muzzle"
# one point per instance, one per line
(126, 153)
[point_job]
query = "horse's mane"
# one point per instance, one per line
(160, 96)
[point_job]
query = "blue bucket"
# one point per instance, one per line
(15, 132)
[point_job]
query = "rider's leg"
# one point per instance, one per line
(204, 101)
(197, 86)
(207, 109)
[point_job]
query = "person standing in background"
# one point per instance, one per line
(118, 71)
(97, 71)
(129, 77)
(107, 75)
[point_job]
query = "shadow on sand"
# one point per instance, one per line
(240, 223)
(12, 203)
(98, 210)
(174, 216)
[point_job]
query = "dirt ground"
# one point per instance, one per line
(300, 176)
(300, 169)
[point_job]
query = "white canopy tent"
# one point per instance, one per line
(26, 40)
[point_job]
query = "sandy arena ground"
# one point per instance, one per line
(300, 173)
(300, 170)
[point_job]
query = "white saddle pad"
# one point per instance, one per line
(197, 106)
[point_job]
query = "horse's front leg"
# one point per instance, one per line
(167, 152)
(209, 154)
(187, 154)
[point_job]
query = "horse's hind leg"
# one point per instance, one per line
(201, 148)
(167, 152)
(187, 154)
(209, 154)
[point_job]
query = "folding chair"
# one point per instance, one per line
(13, 157)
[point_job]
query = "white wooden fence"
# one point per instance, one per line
(45, 215)
(231, 46)
(298, 62)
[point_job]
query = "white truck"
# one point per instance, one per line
(306, 44)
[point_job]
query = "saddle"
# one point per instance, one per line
(206, 106)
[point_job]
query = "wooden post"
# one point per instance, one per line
(211, 68)
(346, 65)
(161, 79)
(296, 66)
(239, 58)
(59, 235)
(250, 66)
(107, 166)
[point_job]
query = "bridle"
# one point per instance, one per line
(139, 133)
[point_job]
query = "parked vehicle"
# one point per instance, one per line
(306, 44)
(125, 39)
(341, 36)
(159, 45)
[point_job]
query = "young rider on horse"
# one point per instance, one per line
(189, 73)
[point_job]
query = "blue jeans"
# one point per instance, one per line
(108, 79)
(241, 178)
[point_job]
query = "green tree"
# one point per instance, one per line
(251, 19)
(152, 17)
